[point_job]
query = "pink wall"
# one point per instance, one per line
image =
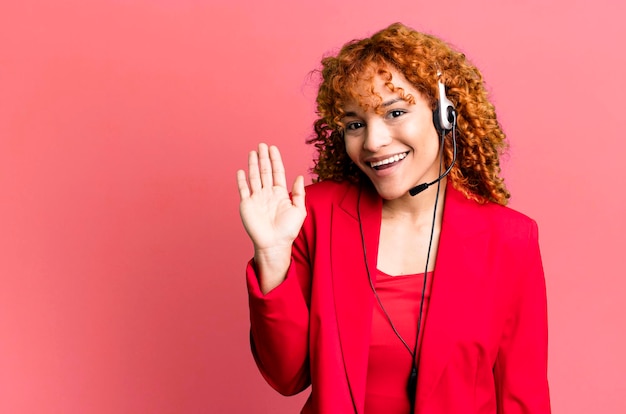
(122, 124)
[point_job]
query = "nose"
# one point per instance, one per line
(377, 135)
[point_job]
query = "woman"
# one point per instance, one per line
(400, 283)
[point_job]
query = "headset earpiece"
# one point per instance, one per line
(444, 116)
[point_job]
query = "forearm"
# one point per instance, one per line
(279, 324)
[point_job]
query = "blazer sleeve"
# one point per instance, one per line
(279, 324)
(520, 369)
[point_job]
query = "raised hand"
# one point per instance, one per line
(271, 218)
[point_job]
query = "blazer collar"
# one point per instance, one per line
(354, 298)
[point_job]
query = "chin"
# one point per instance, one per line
(391, 193)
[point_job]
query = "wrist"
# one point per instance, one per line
(272, 265)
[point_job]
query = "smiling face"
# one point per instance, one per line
(390, 135)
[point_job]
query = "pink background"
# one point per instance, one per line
(122, 124)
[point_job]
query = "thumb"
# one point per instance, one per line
(297, 192)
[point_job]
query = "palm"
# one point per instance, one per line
(270, 216)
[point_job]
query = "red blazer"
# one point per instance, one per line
(485, 340)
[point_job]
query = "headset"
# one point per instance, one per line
(444, 119)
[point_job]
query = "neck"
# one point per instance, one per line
(418, 208)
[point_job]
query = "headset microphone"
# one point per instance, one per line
(444, 118)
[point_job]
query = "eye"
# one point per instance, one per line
(396, 113)
(353, 126)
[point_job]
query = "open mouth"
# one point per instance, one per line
(388, 162)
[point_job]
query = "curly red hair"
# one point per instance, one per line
(423, 59)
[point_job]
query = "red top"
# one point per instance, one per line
(389, 360)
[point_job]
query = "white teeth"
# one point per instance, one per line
(389, 160)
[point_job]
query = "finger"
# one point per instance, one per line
(298, 193)
(253, 171)
(265, 167)
(242, 184)
(278, 169)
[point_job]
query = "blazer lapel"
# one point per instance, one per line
(352, 290)
(453, 289)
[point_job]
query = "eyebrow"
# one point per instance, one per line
(384, 105)
(391, 102)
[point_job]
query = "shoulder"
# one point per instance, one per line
(507, 217)
(328, 192)
(322, 199)
(327, 199)
(504, 222)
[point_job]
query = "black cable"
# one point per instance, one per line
(369, 276)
